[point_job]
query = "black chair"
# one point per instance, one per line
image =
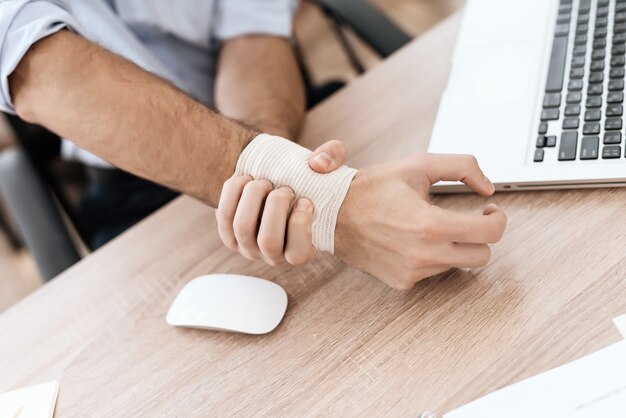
(367, 22)
(35, 198)
(34, 194)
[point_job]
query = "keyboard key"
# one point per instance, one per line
(598, 54)
(552, 100)
(573, 98)
(575, 85)
(619, 28)
(561, 30)
(589, 148)
(570, 123)
(563, 18)
(594, 90)
(581, 29)
(593, 115)
(602, 11)
(551, 141)
(600, 33)
(614, 110)
(598, 43)
(541, 141)
(543, 128)
(572, 110)
(617, 72)
(597, 65)
(556, 70)
(613, 137)
(578, 62)
(591, 129)
(602, 21)
(617, 61)
(584, 6)
(549, 114)
(593, 102)
(620, 17)
(618, 49)
(596, 77)
(611, 151)
(576, 73)
(615, 97)
(538, 157)
(580, 50)
(617, 84)
(613, 124)
(567, 148)
(618, 38)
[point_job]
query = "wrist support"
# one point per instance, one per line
(285, 163)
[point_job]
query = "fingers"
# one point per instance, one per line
(463, 168)
(246, 218)
(449, 226)
(300, 247)
(328, 157)
(254, 220)
(225, 213)
(271, 238)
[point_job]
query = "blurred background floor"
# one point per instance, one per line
(322, 54)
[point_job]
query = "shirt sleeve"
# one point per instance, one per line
(22, 23)
(247, 17)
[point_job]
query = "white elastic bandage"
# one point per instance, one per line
(285, 163)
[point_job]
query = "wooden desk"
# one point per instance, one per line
(348, 344)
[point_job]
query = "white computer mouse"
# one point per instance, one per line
(229, 302)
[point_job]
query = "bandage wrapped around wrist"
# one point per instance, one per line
(285, 163)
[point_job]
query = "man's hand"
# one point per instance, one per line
(388, 228)
(262, 222)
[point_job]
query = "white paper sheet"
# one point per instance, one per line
(620, 323)
(591, 387)
(36, 401)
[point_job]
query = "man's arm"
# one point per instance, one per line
(258, 82)
(144, 125)
(126, 115)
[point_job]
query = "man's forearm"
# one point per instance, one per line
(258, 82)
(127, 116)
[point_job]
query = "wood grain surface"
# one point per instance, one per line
(348, 345)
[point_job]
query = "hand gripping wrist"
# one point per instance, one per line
(285, 163)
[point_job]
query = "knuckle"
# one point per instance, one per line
(282, 194)
(471, 163)
(243, 231)
(259, 185)
(223, 217)
(297, 258)
(235, 182)
(427, 230)
(269, 244)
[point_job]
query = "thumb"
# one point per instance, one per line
(328, 156)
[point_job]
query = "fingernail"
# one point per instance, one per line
(490, 184)
(303, 204)
(324, 159)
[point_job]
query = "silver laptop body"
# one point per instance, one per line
(536, 93)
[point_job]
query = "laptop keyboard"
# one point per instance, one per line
(582, 114)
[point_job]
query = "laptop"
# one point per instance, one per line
(536, 93)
